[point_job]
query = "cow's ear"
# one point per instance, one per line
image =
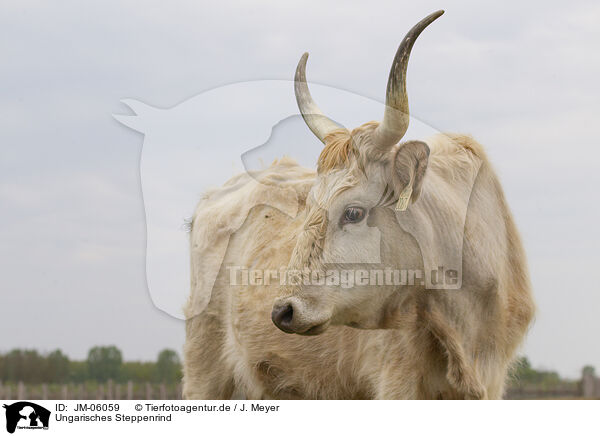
(408, 170)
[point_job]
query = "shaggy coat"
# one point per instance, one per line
(413, 342)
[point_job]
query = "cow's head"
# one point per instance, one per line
(351, 235)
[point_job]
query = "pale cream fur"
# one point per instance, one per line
(422, 344)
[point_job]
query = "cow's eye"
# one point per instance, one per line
(353, 214)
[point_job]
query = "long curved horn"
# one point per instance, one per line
(314, 118)
(396, 118)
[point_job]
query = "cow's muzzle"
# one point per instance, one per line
(290, 316)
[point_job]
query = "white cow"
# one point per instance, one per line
(438, 208)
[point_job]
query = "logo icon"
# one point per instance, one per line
(26, 415)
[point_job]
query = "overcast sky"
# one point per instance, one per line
(522, 78)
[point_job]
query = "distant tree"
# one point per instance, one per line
(104, 363)
(138, 371)
(78, 371)
(168, 366)
(23, 365)
(523, 363)
(11, 365)
(57, 367)
(34, 366)
(589, 369)
(523, 373)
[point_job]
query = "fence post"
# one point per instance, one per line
(130, 390)
(44, 391)
(180, 391)
(109, 390)
(65, 392)
(21, 392)
(588, 382)
(163, 391)
(148, 391)
(8, 395)
(118, 391)
(100, 395)
(2, 391)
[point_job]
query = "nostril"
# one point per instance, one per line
(282, 316)
(287, 315)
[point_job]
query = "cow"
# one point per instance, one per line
(312, 338)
